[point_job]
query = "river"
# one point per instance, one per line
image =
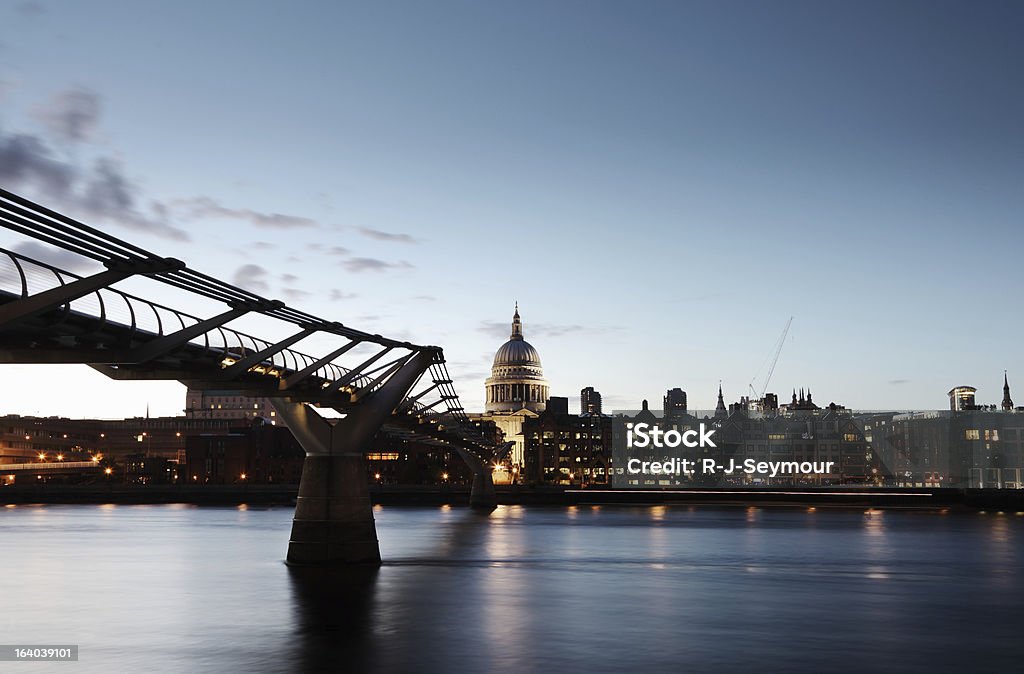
(526, 589)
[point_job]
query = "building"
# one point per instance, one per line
(257, 453)
(759, 431)
(567, 449)
(228, 405)
(516, 391)
(674, 402)
(962, 398)
(517, 377)
(29, 438)
(590, 401)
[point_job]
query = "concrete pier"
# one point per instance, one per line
(483, 496)
(333, 522)
(333, 516)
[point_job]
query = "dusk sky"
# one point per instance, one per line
(660, 185)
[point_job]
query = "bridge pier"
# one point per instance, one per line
(333, 522)
(333, 515)
(482, 495)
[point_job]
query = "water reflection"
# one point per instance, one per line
(333, 618)
(524, 589)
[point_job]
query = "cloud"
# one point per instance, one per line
(26, 160)
(317, 247)
(252, 277)
(386, 236)
(337, 295)
(262, 245)
(71, 115)
(899, 381)
(109, 195)
(357, 265)
(205, 207)
(289, 278)
(58, 257)
(425, 298)
(102, 192)
(295, 293)
(30, 8)
(502, 329)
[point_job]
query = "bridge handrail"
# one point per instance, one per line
(55, 229)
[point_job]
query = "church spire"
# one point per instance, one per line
(1007, 401)
(517, 325)
(720, 411)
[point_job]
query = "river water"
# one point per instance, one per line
(525, 589)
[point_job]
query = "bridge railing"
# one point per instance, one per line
(122, 316)
(23, 276)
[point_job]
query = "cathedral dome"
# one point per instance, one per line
(517, 378)
(517, 352)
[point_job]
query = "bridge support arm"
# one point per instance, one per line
(333, 516)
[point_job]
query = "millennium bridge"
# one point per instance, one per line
(166, 321)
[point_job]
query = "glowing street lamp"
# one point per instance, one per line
(60, 457)
(242, 476)
(108, 471)
(42, 456)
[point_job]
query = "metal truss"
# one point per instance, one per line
(51, 315)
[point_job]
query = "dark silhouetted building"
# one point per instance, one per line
(590, 401)
(675, 402)
(567, 449)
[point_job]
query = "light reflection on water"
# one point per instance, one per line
(178, 588)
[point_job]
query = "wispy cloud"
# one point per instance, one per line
(337, 295)
(897, 382)
(30, 8)
(26, 160)
(102, 192)
(381, 235)
(295, 294)
(251, 277)
(358, 265)
(499, 329)
(198, 208)
(72, 115)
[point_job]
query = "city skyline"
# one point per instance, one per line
(658, 206)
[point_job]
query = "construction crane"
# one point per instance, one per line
(775, 359)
